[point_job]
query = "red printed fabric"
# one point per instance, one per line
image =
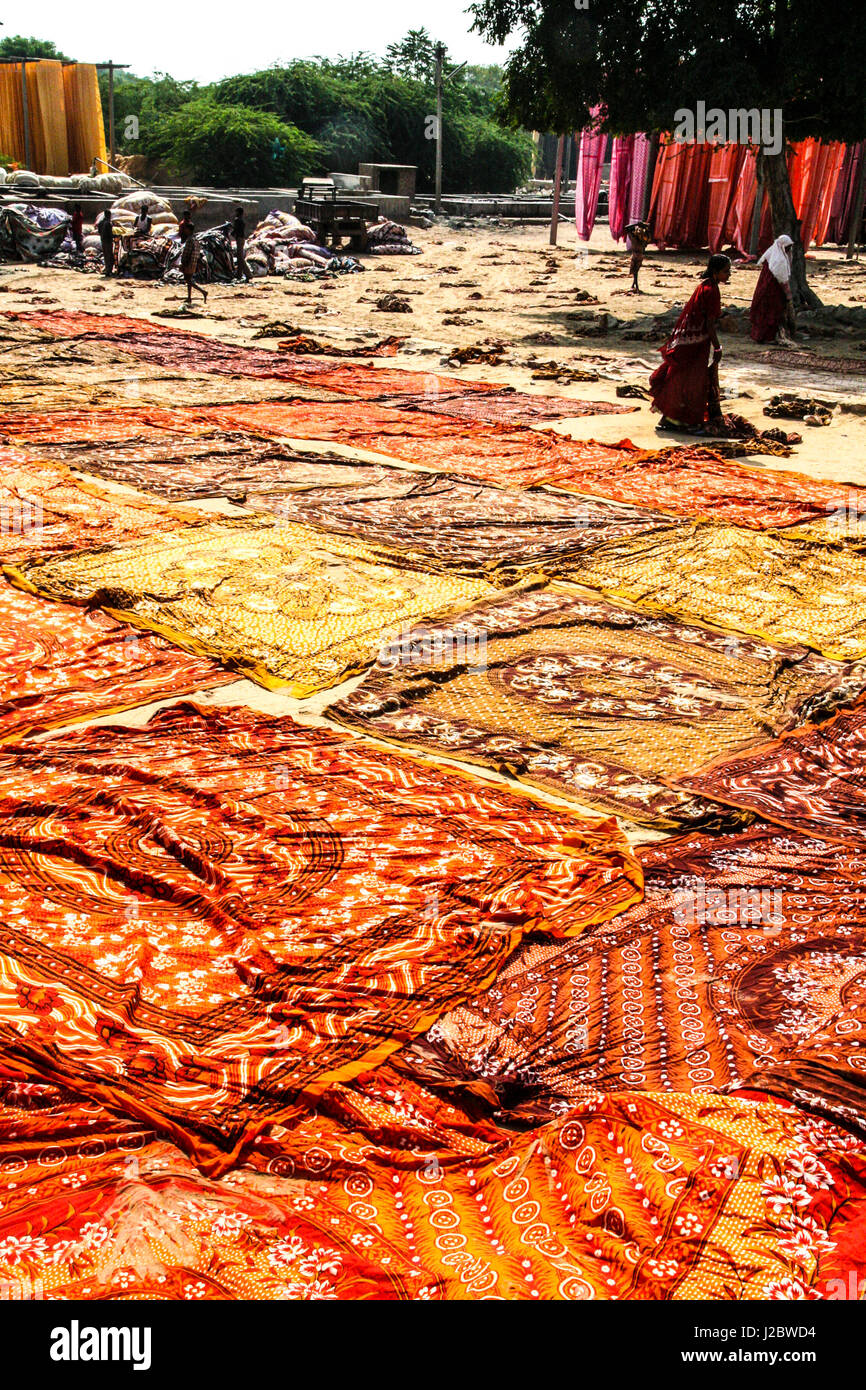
(59, 664)
(743, 967)
(207, 921)
(812, 779)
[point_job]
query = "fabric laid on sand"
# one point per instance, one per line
(591, 701)
(210, 917)
(80, 323)
(284, 604)
(743, 967)
(101, 424)
(811, 780)
(779, 589)
(44, 511)
(450, 523)
(59, 664)
(389, 1193)
(511, 407)
(218, 465)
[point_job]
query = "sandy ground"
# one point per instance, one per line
(507, 284)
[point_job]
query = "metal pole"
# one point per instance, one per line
(440, 56)
(26, 112)
(111, 150)
(557, 184)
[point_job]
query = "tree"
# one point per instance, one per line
(414, 56)
(16, 46)
(232, 145)
(644, 60)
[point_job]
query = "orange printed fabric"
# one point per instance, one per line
(100, 423)
(743, 966)
(44, 511)
(79, 323)
(210, 917)
(388, 1193)
(59, 664)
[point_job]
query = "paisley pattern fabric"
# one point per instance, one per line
(781, 590)
(389, 1193)
(811, 780)
(444, 521)
(209, 917)
(44, 511)
(591, 701)
(59, 664)
(743, 966)
(278, 602)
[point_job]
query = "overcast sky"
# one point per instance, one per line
(207, 41)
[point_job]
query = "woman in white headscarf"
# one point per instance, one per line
(772, 303)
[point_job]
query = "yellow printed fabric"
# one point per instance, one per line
(284, 604)
(84, 124)
(747, 581)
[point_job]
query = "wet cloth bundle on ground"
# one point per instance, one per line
(286, 605)
(59, 664)
(589, 700)
(209, 917)
(784, 590)
(388, 1192)
(811, 780)
(743, 967)
(449, 523)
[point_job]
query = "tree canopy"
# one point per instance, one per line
(17, 46)
(351, 110)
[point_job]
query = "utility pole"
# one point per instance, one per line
(440, 58)
(557, 184)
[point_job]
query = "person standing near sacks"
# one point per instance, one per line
(106, 236)
(239, 232)
(77, 228)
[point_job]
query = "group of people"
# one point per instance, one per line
(685, 388)
(190, 250)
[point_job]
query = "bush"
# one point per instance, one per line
(232, 145)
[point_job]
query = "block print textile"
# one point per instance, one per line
(744, 966)
(811, 780)
(284, 604)
(217, 465)
(782, 590)
(447, 522)
(44, 511)
(389, 1193)
(591, 701)
(212, 916)
(59, 664)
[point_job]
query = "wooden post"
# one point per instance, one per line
(111, 148)
(755, 237)
(557, 184)
(857, 210)
(25, 109)
(440, 56)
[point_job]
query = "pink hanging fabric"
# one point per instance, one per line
(592, 147)
(726, 163)
(845, 192)
(639, 172)
(621, 164)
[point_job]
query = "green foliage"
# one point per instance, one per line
(232, 145)
(338, 113)
(646, 59)
(16, 46)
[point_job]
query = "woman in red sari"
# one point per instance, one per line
(772, 303)
(682, 387)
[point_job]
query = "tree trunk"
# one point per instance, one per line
(773, 174)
